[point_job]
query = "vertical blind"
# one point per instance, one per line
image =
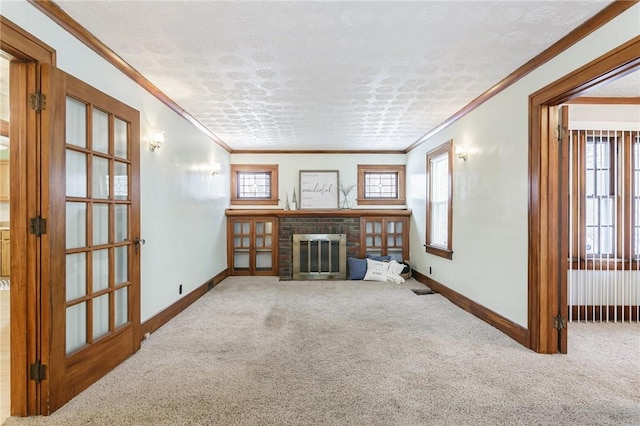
(604, 226)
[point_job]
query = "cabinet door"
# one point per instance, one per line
(240, 247)
(394, 237)
(5, 262)
(385, 237)
(4, 180)
(372, 236)
(263, 244)
(253, 246)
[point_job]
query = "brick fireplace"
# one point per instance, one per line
(289, 226)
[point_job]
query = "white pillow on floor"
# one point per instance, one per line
(376, 271)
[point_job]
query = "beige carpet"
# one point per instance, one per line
(256, 351)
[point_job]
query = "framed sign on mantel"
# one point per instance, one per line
(319, 189)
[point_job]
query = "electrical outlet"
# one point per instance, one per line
(180, 289)
(429, 270)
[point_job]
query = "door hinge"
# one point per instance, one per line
(561, 133)
(37, 226)
(38, 101)
(559, 322)
(37, 372)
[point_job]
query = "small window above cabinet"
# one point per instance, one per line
(385, 236)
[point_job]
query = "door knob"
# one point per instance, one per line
(138, 242)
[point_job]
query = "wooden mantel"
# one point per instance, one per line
(319, 213)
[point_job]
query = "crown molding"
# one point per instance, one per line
(314, 151)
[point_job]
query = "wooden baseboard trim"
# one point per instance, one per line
(160, 319)
(508, 327)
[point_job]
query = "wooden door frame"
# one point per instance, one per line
(26, 278)
(545, 221)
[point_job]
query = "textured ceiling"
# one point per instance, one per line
(334, 75)
(627, 86)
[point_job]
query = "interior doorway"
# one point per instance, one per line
(604, 204)
(549, 189)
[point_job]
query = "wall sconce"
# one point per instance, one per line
(462, 153)
(215, 169)
(157, 139)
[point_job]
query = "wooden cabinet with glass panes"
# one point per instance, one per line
(253, 245)
(385, 236)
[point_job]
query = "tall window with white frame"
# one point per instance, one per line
(439, 203)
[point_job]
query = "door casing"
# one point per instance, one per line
(28, 53)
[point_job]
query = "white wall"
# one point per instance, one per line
(490, 203)
(290, 164)
(4, 212)
(604, 117)
(182, 205)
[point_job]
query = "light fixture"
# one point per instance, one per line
(215, 169)
(157, 139)
(462, 153)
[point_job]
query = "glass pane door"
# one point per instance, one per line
(98, 239)
(92, 201)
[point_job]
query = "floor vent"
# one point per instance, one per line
(422, 291)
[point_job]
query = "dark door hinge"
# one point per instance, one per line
(38, 101)
(559, 322)
(37, 226)
(561, 133)
(37, 372)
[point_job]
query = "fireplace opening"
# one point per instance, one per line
(319, 256)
